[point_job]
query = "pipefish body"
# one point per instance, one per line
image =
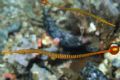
(90, 14)
(54, 55)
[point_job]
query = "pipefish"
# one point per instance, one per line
(113, 50)
(90, 14)
(54, 55)
(46, 2)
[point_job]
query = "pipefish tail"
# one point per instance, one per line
(90, 14)
(54, 55)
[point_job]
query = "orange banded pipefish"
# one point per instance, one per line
(54, 55)
(113, 50)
